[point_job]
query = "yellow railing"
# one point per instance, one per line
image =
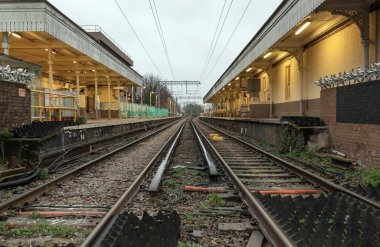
(41, 106)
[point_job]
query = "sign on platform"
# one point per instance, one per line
(21, 92)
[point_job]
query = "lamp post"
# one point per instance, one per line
(156, 100)
(150, 98)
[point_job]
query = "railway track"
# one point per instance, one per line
(259, 176)
(66, 208)
(249, 194)
(208, 219)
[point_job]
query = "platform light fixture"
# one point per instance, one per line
(303, 27)
(267, 54)
(249, 69)
(74, 61)
(229, 84)
(15, 35)
(46, 49)
(237, 78)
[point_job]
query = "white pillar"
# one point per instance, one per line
(118, 99)
(270, 79)
(85, 101)
(50, 63)
(6, 43)
(109, 96)
(78, 91)
(300, 69)
(96, 96)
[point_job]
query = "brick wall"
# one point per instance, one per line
(361, 142)
(14, 109)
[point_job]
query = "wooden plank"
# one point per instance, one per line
(279, 181)
(256, 239)
(265, 175)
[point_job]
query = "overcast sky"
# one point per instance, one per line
(188, 27)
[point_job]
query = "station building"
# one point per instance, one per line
(76, 70)
(275, 75)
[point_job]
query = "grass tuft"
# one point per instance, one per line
(44, 174)
(215, 200)
(371, 176)
(43, 229)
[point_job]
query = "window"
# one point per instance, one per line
(287, 82)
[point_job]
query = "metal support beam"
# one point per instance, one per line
(361, 18)
(365, 36)
(133, 94)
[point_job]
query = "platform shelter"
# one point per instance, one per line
(84, 71)
(302, 41)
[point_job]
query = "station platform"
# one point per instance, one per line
(93, 123)
(92, 135)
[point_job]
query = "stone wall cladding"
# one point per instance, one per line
(361, 142)
(14, 109)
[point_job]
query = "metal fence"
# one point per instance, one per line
(140, 110)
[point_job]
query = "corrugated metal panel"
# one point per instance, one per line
(40, 17)
(289, 16)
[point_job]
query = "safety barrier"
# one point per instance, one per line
(141, 110)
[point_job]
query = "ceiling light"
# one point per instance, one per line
(16, 35)
(93, 70)
(74, 61)
(268, 54)
(229, 84)
(237, 78)
(46, 49)
(303, 27)
(249, 69)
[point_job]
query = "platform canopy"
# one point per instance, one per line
(37, 32)
(277, 38)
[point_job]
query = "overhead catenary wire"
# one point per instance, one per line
(157, 21)
(232, 34)
(213, 38)
(138, 38)
(217, 39)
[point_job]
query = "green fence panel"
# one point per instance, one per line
(140, 110)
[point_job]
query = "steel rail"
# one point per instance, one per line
(210, 162)
(34, 193)
(118, 207)
(156, 181)
(304, 173)
(269, 228)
